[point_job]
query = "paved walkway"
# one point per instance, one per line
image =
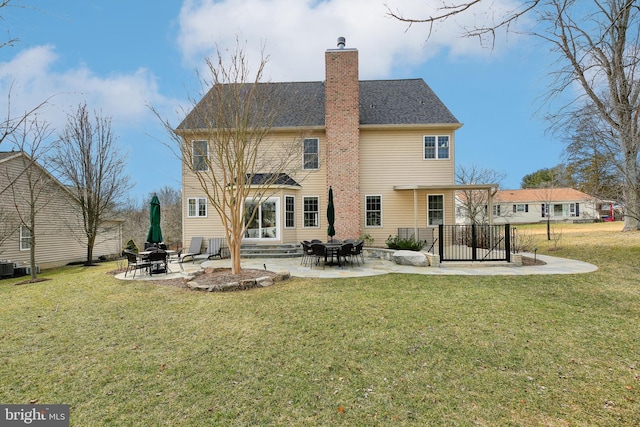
(374, 267)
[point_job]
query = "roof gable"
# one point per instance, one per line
(6, 156)
(382, 102)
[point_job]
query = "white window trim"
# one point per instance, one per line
(365, 211)
(197, 205)
(193, 155)
(318, 154)
(444, 210)
(278, 233)
(285, 212)
(24, 239)
(437, 154)
(303, 212)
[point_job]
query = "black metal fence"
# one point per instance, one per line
(465, 242)
(474, 242)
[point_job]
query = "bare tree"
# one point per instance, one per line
(475, 202)
(10, 40)
(450, 9)
(33, 186)
(591, 156)
(225, 142)
(597, 43)
(87, 159)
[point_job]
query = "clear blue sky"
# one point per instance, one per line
(119, 56)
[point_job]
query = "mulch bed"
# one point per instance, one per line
(527, 261)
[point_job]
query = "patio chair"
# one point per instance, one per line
(134, 263)
(158, 261)
(319, 252)
(195, 248)
(345, 252)
(357, 252)
(307, 253)
(215, 248)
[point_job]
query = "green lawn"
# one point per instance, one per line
(386, 350)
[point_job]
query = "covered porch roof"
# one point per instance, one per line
(491, 190)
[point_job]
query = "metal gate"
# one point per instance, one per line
(474, 242)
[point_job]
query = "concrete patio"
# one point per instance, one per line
(375, 266)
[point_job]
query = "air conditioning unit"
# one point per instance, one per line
(27, 269)
(6, 269)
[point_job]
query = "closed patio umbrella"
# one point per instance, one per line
(155, 233)
(331, 215)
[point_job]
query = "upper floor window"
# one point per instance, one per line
(311, 153)
(197, 207)
(25, 238)
(200, 155)
(373, 211)
(311, 212)
(436, 147)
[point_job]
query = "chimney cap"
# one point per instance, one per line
(341, 42)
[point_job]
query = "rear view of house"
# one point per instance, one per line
(385, 147)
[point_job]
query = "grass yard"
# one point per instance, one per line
(399, 350)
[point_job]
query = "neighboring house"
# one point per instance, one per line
(59, 236)
(386, 147)
(536, 204)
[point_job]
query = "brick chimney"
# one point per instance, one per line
(342, 121)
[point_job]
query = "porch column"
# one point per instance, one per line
(490, 198)
(415, 214)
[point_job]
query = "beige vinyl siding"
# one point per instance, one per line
(313, 182)
(390, 158)
(59, 236)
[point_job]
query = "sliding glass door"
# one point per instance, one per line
(265, 224)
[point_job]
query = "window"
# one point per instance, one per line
(261, 220)
(310, 212)
(435, 210)
(25, 238)
(200, 155)
(574, 209)
(496, 210)
(373, 211)
(289, 212)
(436, 147)
(520, 208)
(543, 210)
(311, 153)
(197, 208)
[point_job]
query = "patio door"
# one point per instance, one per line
(265, 225)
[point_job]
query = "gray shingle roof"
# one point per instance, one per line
(382, 102)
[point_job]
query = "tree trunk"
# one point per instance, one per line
(632, 208)
(90, 242)
(32, 257)
(234, 249)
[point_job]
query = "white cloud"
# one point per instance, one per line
(32, 77)
(297, 32)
